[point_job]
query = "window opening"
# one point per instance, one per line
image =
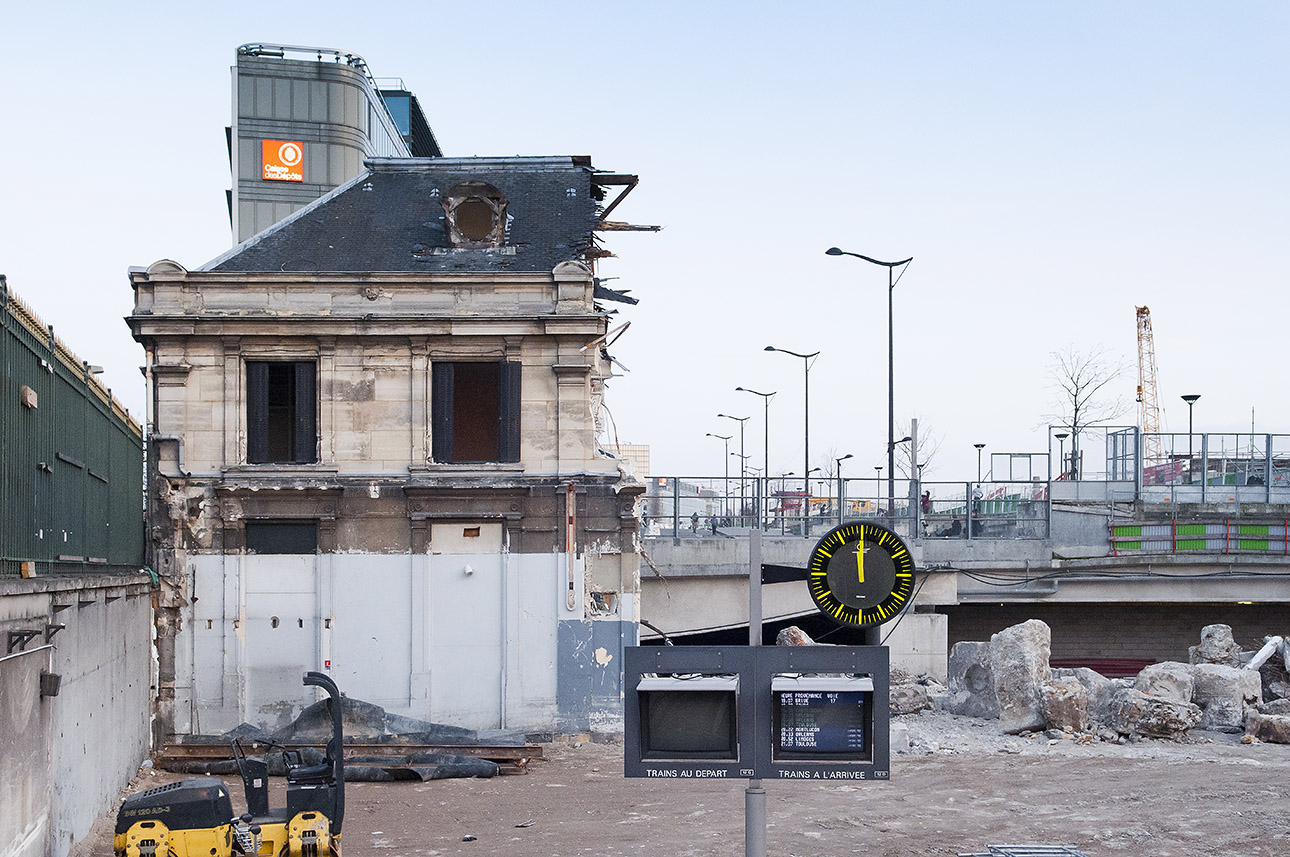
(475, 215)
(281, 412)
(476, 412)
(282, 537)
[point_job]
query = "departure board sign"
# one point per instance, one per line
(760, 712)
(822, 718)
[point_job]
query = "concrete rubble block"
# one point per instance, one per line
(1065, 704)
(1134, 712)
(1273, 728)
(1019, 659)
(1225, 693)
(1217, 646)
(908, 699)
(971, 682)
(1098, 692)
(1168, 680)
(1275, 706)
(794, 636)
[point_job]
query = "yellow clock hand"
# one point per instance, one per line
(860, 560)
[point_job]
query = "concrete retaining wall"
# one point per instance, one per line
(65, 758)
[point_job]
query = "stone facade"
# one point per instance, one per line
(308, 506)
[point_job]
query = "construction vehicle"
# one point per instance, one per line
(194, 816)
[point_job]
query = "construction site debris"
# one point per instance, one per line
(1225, 693)
(379, 747)
(971, 680)
(1136, 713)
(1273, 728)
(1019, 660)
(1064, 703)
(1217, 646)
(1168, 680)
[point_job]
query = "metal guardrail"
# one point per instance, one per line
(686, 507)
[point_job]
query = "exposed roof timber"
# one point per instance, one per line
(619, 226)
(625, 180)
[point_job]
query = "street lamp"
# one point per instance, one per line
(837, 463)
(877, 497)
(806, 411)
(765, 434)
(725, 486)
(979, 447)
(1061, 448)
(742, 458)
(891, 360)
(1190, 399)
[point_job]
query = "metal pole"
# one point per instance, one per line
(754, 794)
(891, 391)
(806, 452)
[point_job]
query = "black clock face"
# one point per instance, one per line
(861, 574)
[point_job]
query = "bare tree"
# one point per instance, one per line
(929, 443)
(1079, 380)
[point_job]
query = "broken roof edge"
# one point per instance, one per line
(414, 165)
(281, 224)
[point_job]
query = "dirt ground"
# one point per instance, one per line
(959, 787)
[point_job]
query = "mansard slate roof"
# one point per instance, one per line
(390, 218)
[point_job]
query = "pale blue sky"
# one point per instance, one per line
(1048, 166)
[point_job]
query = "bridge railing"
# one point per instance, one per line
(705, 507)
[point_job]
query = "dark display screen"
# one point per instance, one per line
(688, 724)
(822, 724)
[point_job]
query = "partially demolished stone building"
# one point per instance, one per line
(374, 451)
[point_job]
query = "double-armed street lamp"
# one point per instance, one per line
(725, 486)
(837, 468)
(891, 360)
(806, 411)
(743, 459)
(765, 435)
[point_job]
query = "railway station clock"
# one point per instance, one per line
(860, 574)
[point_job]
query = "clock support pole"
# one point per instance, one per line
(754, 794)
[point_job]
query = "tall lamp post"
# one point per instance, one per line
(806, 431)
(743, 459)
(1061, 448)
(979, 447)
(725, 486)
(1190, 399)
(743, 469)
(765, 435)
(891, 361)
(877, 500)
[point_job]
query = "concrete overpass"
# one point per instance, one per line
(1120, 571)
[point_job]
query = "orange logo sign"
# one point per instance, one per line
(283, 161)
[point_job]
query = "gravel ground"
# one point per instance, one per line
(960, 786)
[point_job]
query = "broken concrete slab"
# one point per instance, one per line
(1273, 728)
(1217, 646)
(1064, 704)
(1019, 660)
(1170, 680)
(1225, 693)
(1099, 691)
(1275, 706)
(971, 682)
(908, 699)
(1134, 712)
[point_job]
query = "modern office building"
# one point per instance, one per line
(304, 119)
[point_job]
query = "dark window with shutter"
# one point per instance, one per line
(294, 537)
(281, 412)
(475, 412)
